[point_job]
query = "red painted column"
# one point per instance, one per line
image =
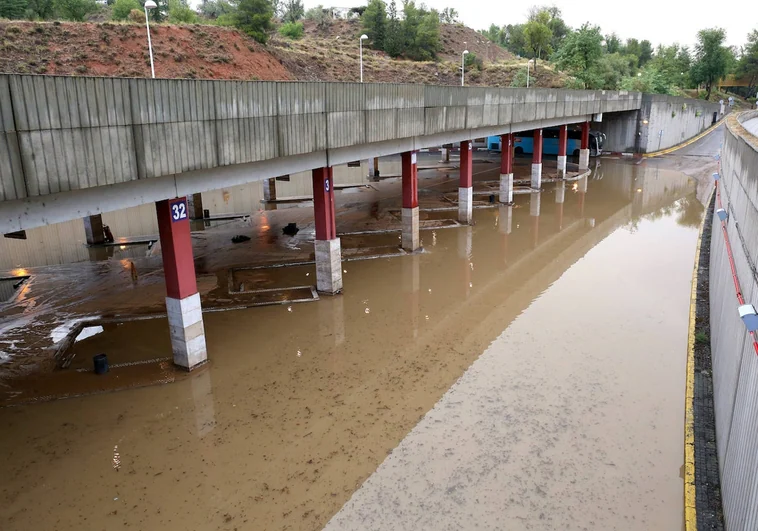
(537, 151)
(506, 154)
(465, 187)
(584, 152)
(410, 235)
(585, 135)
(536, 182)
(327, 245)
(562, 140)
(323, 204)
(506, 168)
(410, 179)
(467, 165)
(185, 316)
(176, 247)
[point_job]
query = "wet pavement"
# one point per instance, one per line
(528, 368)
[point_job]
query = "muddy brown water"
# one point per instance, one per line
(301, 403)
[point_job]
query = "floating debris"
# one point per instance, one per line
(116, 460)
(240, 238)
(291, 229)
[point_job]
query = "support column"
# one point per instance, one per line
(446, 153)
(466, 186)
(584, 151)
(185, 316)
(410, 237)
(376, 167)
(269, 189)
(562, 142)
(93, 230)
(560, 198)
(327, 244)
(537, 160)
(506, 168)
(534, 211)
(195, 206)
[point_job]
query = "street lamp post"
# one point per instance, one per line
(463, 67)
(529, 62)
(363, 38)
(148, 6)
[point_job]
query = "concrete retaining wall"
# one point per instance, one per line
(735, 364)
(661, 122)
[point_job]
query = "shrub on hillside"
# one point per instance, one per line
(293, 30)
(76, 10)
(122, 8)
(254, 18)
(136, 16)
(181, 13)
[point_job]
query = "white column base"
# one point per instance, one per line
(466, 204)
(506, 188)
(185, 323)
(410, 238)
(536, 176)
(582, 185)
(584, 159)
(328, 266)
(562, 165)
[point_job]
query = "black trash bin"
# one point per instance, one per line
(101, 363)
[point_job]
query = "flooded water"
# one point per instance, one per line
(564, 325)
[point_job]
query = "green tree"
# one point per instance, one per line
(213, 9)
(612, 43)
(747, 66)
(537, 38)
(613, 68)
(427, 42)
(580, 56)
(648, 80)
(551, 16)
(293, 10)
(375, 23)
(293, 30)
(122, 8)
(254, 18)
(181, 13)
(42, 9)
(449, 16)
(632, 47)
(393, 41)
(515, 41)
(712, 59)
(646, 52)
(76, 10)
(13, 9)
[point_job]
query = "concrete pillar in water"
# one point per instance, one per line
(506, 168)
(376, 167)
(412, 288)
(195, 206)
(410, 237)
(269, 189)
(560, 198)
(327, 244)
(562, 142)
(537, 160)
(466, 186)
(93, 230)
(534, 211)
(185, 315)
(584, 151)
(505, 227)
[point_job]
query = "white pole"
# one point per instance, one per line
(149, 43)
(361, 41)
(463, 66)
(527, 74)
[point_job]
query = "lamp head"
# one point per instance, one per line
(150, 4)
(364, 37)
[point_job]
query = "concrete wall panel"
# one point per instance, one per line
(346, 128)
(735, 364)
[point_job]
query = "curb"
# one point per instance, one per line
(690, 498)
(686, 142)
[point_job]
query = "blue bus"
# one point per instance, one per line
(523, 142)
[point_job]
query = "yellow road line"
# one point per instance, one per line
(685, 143)
(690, 504)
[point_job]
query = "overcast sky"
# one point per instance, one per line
(659, 21)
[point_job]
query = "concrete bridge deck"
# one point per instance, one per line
(72, 147)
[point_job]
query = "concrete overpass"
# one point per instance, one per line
(72, 147)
